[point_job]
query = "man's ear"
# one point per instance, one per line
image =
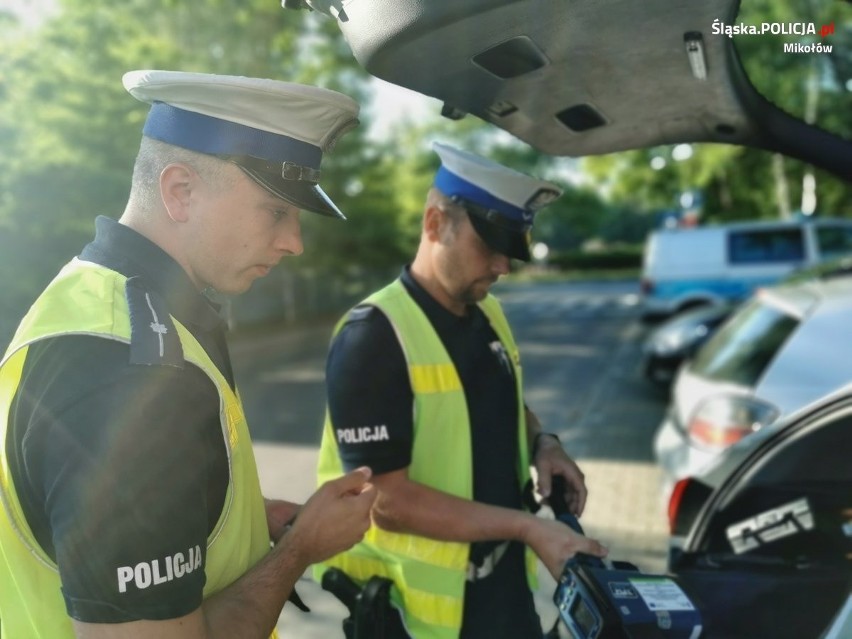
(433, 221)
(176, 184)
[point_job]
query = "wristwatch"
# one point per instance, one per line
(538, 436)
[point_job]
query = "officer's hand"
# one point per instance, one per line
(335, 517)
(555, 543)
(551, 460)
(279, 516)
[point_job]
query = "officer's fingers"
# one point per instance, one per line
(575, 489)
(364, 470)
(366, 497)
(356, 505)
(544, 480)
(574, 477)
(591, 546)
(354, 481)
(581, 501)
(352, 514)
(577, 499)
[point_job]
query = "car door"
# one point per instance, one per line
(770, 554)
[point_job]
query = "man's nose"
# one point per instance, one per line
(501, 264)
(288, 238)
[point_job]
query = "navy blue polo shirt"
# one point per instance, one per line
(118, 464)
(368, 386)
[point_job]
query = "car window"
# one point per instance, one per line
(745, 346)
(834, 241)
(810, 463)
(766, 246)
(790, 509)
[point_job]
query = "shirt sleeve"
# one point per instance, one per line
(121, 457)
(369, 394)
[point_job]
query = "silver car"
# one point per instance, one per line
(679, 338)
(784, 348)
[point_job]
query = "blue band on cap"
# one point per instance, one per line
(451, 184)
(214, 136)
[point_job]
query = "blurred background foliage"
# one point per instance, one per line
(69, 134)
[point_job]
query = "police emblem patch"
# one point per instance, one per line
(501, 355)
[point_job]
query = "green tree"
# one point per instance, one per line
(69, 131)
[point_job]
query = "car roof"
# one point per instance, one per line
(799, 299)
(581, 78)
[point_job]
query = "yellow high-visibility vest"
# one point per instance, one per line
(429, 575)
(88, 299)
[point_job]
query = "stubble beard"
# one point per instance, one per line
(477, 291)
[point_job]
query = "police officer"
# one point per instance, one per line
(424, 386)
(131, 501)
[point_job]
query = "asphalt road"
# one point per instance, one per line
(580, 349)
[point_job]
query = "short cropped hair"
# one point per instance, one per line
(154, 156)
(455, 212)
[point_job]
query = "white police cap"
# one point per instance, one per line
(500, 201)
(276, 132)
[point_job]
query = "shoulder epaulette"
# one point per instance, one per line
(153, 338)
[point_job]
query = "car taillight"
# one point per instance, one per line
(687, 498)
(721, 421)
(675, 501)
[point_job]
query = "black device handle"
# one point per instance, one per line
(561, 512)
(559, 506)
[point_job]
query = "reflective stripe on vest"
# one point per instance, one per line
(433, 378)
(31, 604)
(429, 576)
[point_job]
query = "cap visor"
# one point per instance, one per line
(305, 195)
(505, 241)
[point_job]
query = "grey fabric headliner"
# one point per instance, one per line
(625, 59)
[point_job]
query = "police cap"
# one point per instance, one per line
(500, 201)
(276, 132)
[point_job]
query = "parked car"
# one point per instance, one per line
(678, 338)
(767, 529)
(685, 267)
(784, 348)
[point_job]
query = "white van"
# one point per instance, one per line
(685, 267)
